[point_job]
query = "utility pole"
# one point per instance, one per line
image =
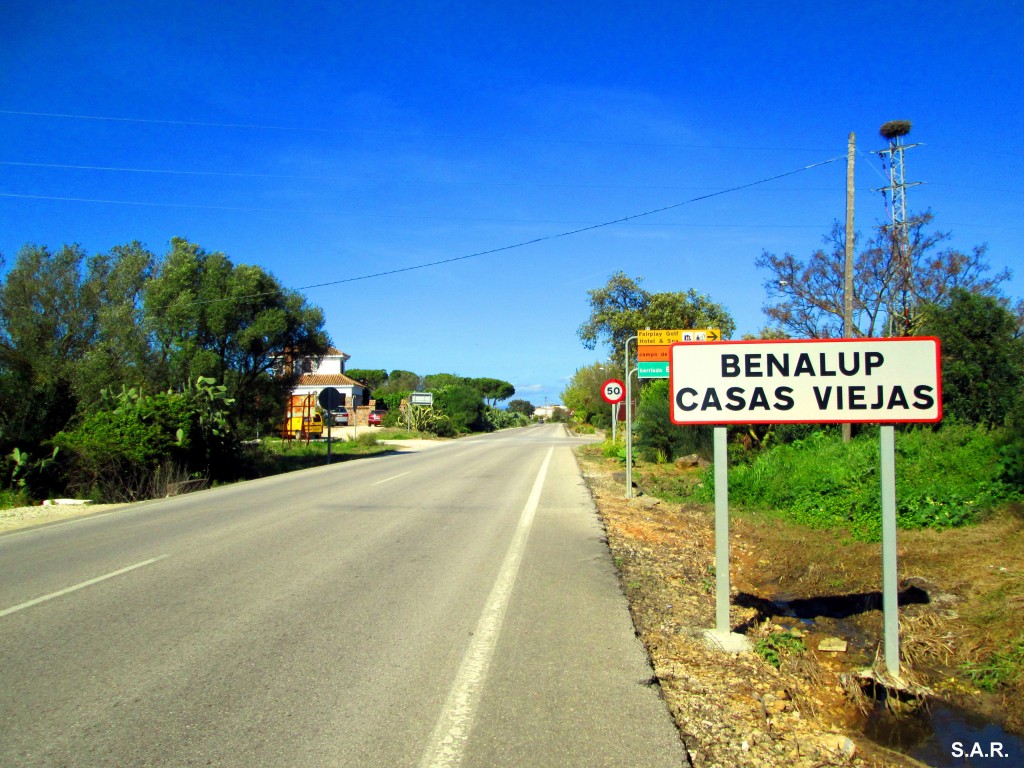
(851, 145)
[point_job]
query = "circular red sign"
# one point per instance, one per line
(613, 391)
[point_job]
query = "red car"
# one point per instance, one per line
(374, 418)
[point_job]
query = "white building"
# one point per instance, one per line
(330, 372)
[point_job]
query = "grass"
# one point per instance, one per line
(1000, 669)
(944, 479)
(273, 456)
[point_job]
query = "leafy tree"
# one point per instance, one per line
(583, 393)
(493, 390)
(212, 318)
(982, 356)
(806, 298)
(462, 404)
(120, 354)
(621, 307)
(48, 311)
(524, 407)
(435, 381)
(400, 381)
(373, 378)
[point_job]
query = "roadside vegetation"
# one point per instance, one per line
(125, 376)
(806, 504)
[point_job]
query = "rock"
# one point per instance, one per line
(832, 645)
(690, 461)
(844, 745)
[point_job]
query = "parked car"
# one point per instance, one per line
(374, 418)
(340, 416)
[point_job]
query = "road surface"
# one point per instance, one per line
(447, 607)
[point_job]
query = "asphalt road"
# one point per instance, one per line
(449, 607)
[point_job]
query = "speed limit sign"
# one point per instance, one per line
(613, 391)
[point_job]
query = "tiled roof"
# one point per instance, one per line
(326, 380)
(335, 352)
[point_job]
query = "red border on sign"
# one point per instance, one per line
(740, 420)
(621, 387)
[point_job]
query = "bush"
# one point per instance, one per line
(944, 478)
(138, 444)
(657, 437)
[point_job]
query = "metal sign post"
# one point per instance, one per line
(890, 582)
(330, 399)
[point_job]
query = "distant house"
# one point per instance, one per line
(330, 372)
(545, 411)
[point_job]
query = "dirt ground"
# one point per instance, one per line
(960, 592)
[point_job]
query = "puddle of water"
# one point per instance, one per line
(944, 736)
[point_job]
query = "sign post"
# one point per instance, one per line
(613, 392)
(419, 398)
(329, 399)
(878, 381)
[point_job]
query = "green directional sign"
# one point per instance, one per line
(653, 370)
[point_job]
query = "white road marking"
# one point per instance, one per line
(448, 741)
(88, 583)
(393, 477)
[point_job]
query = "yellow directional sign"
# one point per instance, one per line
(664, 338)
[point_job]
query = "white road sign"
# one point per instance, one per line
(806, 381)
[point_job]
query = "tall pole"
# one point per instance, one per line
(851, 145)
(629, 422)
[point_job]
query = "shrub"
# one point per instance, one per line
(944, 478)
(657, 436)
(139, 443)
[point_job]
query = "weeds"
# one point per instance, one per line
(774, 648)
(1001, 668)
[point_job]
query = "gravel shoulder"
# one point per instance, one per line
(731, 709)
(24, 517)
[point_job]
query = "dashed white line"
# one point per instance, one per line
(75, 587)
(393, 477)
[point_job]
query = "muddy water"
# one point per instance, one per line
(938, 734)
(942, 736)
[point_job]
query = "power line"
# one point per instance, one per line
(536, 240)
(403, 217)
(349, 179)
(407, 134)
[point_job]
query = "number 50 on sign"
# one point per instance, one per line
(613, 391)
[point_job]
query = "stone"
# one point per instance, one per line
(832, 645)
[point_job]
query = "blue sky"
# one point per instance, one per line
(328, 141)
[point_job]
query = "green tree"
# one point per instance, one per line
(48, 322)
(436, 381)
(373, 378)
(493, 390)
(232, 323)
(400, 381)
(524, 407)
(656, 435)
(583, 393)
(462, 404)
(621, 307)
(120, 354)
(982, 356)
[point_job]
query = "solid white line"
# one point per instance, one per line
(90, 582)
(393, 477)
(448, 742)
